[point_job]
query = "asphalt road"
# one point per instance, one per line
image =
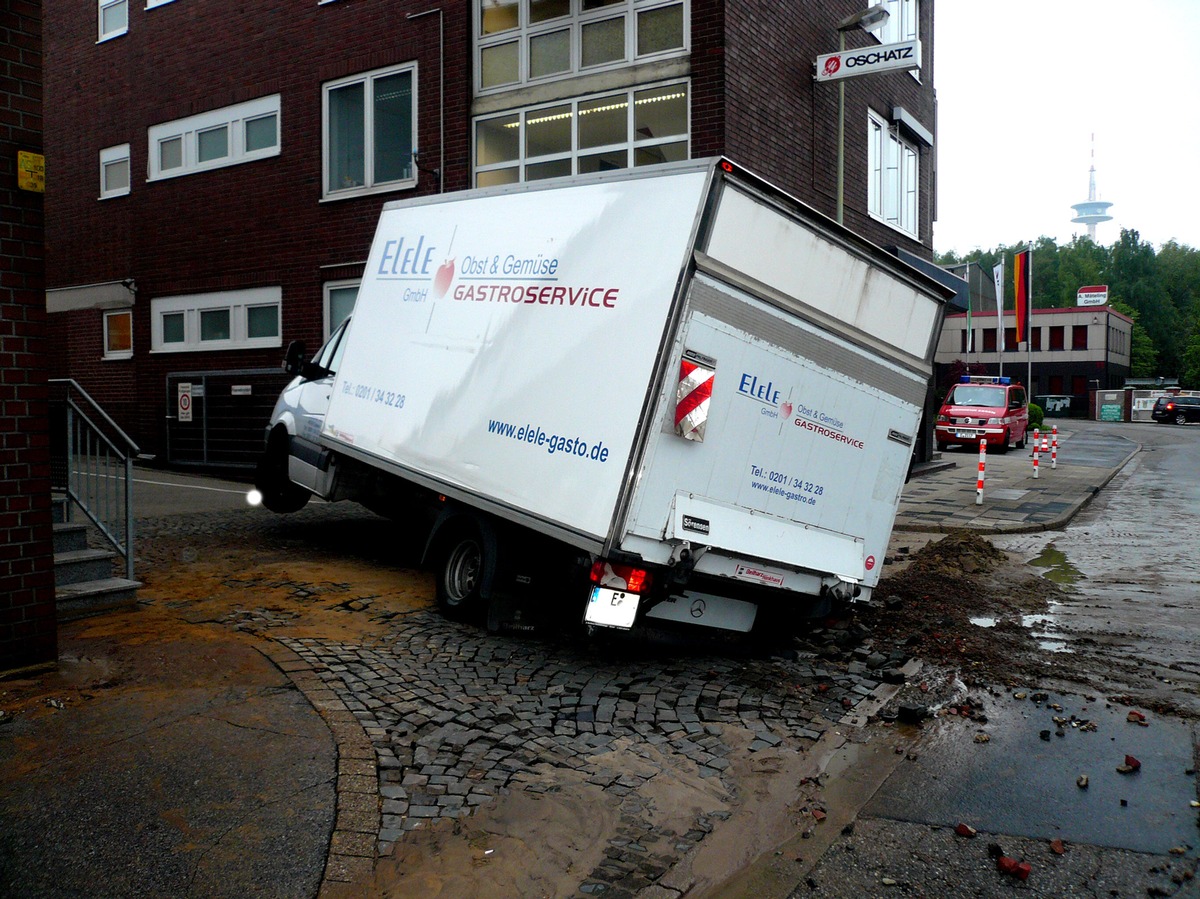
(1132, 622)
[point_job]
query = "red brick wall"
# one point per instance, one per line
(28, 634)
(782, 124)
(256, 224)
(263, 223)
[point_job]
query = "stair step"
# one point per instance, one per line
(92, 597)
(69, 536)
(78, 565)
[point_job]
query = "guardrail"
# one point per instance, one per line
(91, 460)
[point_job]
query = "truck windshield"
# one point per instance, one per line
(977, 395)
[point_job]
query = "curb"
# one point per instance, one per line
(351, 856)
(1057, 522)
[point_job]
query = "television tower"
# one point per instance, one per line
(1093, 211)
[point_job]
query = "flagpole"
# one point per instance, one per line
(998, 277)
(1029, 325)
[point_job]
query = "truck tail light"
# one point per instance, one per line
(620, 577)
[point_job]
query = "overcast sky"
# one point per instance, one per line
(1022, 85)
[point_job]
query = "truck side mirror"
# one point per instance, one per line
(293, 362)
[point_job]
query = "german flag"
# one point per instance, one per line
(1023, 284)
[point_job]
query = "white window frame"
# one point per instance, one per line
(192, 305)
(893, 177)
(903, 21)
(150, 4)
(575, 21)
(101, 7)
(187, 131)
(326, 289)
(369, 187)
(109, 156)
(118, 354)
(903, 24)
(629, 146)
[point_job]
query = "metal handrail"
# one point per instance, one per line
(93, 464)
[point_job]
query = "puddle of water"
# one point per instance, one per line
(1058, 569)
(1053, 645)
(1042, 624)
(983, 621)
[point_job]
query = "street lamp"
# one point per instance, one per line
(868, 20)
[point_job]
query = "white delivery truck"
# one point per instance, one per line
(672, 394)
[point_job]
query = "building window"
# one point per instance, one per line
(612, 131)
(340, 297)
(1010, 340)
(892, 177)
(114, 18)
(1056, 385)
(1079, 337)
(902, 21)
(370, 124)
(114, 171)
(989, 340)
(1035, 339)
(215, 139)
(236, 319)
(521, 41)
(1079, 385)
(963, 348)
(118, 334)
(1056, 339)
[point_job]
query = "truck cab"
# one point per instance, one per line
(983, 408)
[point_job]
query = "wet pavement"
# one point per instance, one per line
(436, 722)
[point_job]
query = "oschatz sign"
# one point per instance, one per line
(1092, 295)
(901, 57)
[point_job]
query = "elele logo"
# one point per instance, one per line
(765, 392)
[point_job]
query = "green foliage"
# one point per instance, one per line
(1189, 375)
(1159, 289)
(1036, 416)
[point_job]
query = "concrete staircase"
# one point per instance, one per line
(83, 577)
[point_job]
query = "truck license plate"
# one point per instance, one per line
(611, 608)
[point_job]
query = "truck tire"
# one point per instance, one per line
(271, 478)
(460, 576)
(1024, 437)
(1002, 447)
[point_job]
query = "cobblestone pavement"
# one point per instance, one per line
(458, 717)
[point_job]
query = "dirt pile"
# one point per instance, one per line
(960, 601)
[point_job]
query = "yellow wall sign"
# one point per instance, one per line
(31, 171)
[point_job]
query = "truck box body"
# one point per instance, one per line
(679, 366)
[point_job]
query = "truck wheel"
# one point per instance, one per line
(271, 478)
(1180, 418)
(461, 576)
(1003, 445)
(1021, 442)
(942, 446)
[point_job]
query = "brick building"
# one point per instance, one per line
(218, 168)
(28, 631)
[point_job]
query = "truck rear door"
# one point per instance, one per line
(805, 445)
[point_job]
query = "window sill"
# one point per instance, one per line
(351, 193)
